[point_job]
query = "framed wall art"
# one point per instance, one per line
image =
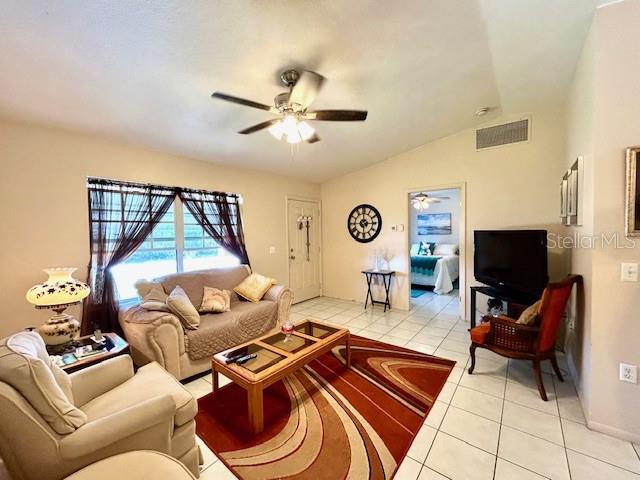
(434, 224)
(570, 191)
(632, 203)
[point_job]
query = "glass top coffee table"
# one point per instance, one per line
(276, 356)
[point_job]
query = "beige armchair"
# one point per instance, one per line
(53, 424)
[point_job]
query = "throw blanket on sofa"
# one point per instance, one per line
(219, 331)
(424, 264)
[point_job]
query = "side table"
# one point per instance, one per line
(386, 276)
(116, 345)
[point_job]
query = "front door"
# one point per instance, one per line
(304, 249)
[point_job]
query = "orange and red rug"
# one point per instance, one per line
(325, 421)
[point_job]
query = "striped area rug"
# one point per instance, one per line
(325, 421)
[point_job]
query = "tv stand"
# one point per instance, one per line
(525, 299)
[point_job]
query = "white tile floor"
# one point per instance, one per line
(489, 425)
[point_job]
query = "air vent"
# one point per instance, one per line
(502, 134)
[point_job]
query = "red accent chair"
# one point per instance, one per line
(536, 342)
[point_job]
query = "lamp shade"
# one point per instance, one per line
(60, 289)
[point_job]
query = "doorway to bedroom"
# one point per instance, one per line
(436, 248)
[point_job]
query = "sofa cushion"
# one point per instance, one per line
(26, 366)
(149, 381)
(180, 305)
(143, 287)
(254, 287)
(219, 331)
(192, 283)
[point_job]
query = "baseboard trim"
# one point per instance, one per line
(614, 432)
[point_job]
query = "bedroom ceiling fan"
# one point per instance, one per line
(422, 201)
(292, 109)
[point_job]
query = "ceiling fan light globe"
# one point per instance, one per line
(294, 137)
(290, 125)
(305, 130)
(277, 130)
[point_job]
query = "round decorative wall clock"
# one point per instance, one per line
(364, 223)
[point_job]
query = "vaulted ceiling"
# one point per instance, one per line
(143, 72)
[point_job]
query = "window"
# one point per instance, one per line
(178, 244)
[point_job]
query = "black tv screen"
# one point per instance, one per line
(514, 260)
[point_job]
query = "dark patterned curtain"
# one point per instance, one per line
(121, 215)
(219, 215)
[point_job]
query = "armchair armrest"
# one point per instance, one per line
(98, 379)
(155, 413)
(506, 333)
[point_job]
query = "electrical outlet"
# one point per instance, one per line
(628, 373)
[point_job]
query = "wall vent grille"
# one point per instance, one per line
(504, 134)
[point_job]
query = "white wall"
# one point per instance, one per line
(44, 212)
(515, 186)
(452, 206)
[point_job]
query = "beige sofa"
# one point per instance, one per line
(160, 337)
(53, 424)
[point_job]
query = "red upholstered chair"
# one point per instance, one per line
(536, 342)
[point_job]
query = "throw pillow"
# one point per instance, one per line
(180, 305)
(415, 249)
(254, 287)
(445, 249)
(155, 300)
(215, 300)
(529, 315)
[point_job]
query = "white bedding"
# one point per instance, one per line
(445, 273)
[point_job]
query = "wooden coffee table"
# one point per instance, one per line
(277, 357)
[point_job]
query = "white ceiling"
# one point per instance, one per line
(143, 71)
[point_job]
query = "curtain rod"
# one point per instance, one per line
(105, 181)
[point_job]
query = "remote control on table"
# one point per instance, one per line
(246, 358)
(234, 358)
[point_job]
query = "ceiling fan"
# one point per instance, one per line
(292, 108)
(422, 201)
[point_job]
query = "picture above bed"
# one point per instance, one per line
(434, 224)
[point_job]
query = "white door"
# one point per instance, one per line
(304, 249)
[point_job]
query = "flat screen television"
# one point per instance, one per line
(512, 260)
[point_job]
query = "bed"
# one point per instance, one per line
(438, 270)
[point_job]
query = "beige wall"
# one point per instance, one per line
(580, 143)
(514, 186)
(43, 205)
(613, 335)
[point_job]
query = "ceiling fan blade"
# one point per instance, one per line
(306, 89)
(259, 126)
(314, 138)
(337, 115)
(243, 101)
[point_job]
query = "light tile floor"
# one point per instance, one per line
(489, 425)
